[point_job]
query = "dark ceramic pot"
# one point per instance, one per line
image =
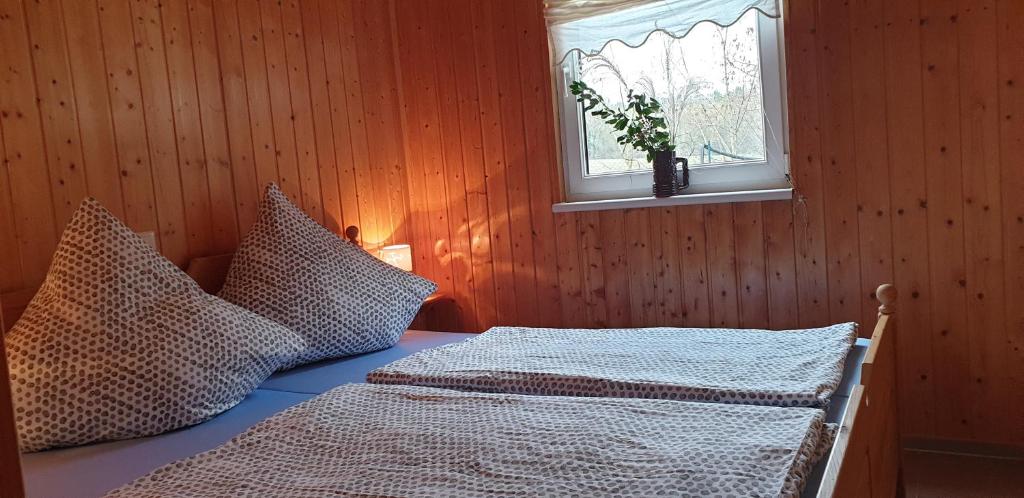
(666, 179)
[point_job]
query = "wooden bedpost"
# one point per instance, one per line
(886, 295)
(352, 234)
(865, 460)
(10, 458)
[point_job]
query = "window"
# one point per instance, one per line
(722, 90)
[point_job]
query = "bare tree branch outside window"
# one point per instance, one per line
(708, 82)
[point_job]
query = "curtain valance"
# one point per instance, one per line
(588, 25)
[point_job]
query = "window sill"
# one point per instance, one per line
(777, 194)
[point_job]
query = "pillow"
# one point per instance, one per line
(338, 297)
(119, 343)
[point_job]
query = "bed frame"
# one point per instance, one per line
(864, 461)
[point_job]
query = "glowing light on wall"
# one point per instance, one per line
(398, 255)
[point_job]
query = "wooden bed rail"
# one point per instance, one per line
(865, 460)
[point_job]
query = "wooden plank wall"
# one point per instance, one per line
(175, 114)
(430, 122)
(906, 139)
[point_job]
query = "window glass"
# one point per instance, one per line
(709, 84)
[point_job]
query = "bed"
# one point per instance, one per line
(87, 471)
(863, 458)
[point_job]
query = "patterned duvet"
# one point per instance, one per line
(376, 440)
(763, 367)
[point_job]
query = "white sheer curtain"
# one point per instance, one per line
(588, 25)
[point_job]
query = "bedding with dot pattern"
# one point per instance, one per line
(339, 298)
(762, 367)
(378, 440)
(119, 343)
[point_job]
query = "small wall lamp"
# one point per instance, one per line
(398, 255)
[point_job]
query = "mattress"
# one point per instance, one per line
(378, 440)
(323, 376)
(762, 367)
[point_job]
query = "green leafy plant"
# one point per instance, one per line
(642, 124)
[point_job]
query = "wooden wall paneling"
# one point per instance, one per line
(412, 80)
(694, 261)
(494, 163)
(192, 165)
(56, 96)
(874, 222)
(752, 290)
(652, 305)
(96, 125)
(11, 277)
(839, 168)
(173, 235)
(780, 265)
(435, 158)
(419, 217)
(391, 130)
(282, 115)
(665, 245)
(381, 112)
(206, 59)
(247, 188)
(722, 269)
(805, 143)
(473, 160)
(617, 273)
(426, 163)
(980, 162)
(1011, 132)
(340, 116)
(592, 267)
(570, 270)
(908, 190)
(322, 121)
(535, 78)
(455, 179)
(638, 265)
(23, 148)
(368, 219)
(426, 158)
(302, 109)
(940, 71)
(118, 42)
(257, 89)
(516, 173)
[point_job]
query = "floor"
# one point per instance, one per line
(935, 475)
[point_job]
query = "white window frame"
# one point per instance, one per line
(771, 173)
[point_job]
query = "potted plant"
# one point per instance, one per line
(644, 128)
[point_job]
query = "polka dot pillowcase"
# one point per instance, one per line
(119, 343)
(338, 297)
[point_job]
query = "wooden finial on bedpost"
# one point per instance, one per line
(886, 294)
(352, 234)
